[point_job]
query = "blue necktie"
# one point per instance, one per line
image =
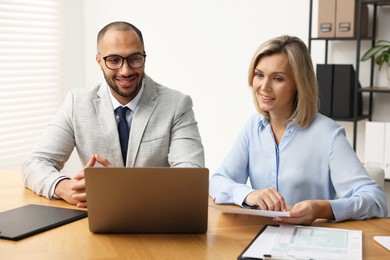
(123, 129)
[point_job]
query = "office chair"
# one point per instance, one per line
(376, 173)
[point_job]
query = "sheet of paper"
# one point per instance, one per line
(306, 242)
(263, 244)
(384, 241)
(318, 243)
(255, 212)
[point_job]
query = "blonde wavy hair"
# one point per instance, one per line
(306, 100)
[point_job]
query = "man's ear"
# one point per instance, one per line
(99, 61)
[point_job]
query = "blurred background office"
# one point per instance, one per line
(200, 47)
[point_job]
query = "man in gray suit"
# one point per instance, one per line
(160, 123)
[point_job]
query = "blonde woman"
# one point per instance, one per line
(296, 159)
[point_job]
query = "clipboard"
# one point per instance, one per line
(304, 242)
(241, 256)
(32, 219)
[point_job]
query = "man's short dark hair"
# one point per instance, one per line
(119, 26)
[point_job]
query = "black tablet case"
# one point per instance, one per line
(32, 219)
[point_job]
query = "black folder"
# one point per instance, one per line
(336, 84)
(32, 219)
(344, 91)
(325, 84)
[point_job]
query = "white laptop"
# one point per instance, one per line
(147, 200)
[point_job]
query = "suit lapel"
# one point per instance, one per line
(144, 111)
(106, 118)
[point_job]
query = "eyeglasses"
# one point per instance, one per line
(115, 62)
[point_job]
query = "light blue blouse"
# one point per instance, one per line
(314, 163)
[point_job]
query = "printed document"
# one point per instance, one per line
(305, 242)
(255, 212)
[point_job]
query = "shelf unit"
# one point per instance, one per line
(357, 39)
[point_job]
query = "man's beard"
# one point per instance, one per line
(119, 92)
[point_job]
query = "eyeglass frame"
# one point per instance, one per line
(123, 60)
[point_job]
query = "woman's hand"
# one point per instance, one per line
(307, 211)
(267, 199)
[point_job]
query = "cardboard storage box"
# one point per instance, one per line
(326, 18)
(346, 18)
(338, 18)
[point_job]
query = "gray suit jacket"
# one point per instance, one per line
(164, 133)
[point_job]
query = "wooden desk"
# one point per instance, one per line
(227, 236)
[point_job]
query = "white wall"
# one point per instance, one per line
(203, 48)
(73, 52)
(73, 56)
